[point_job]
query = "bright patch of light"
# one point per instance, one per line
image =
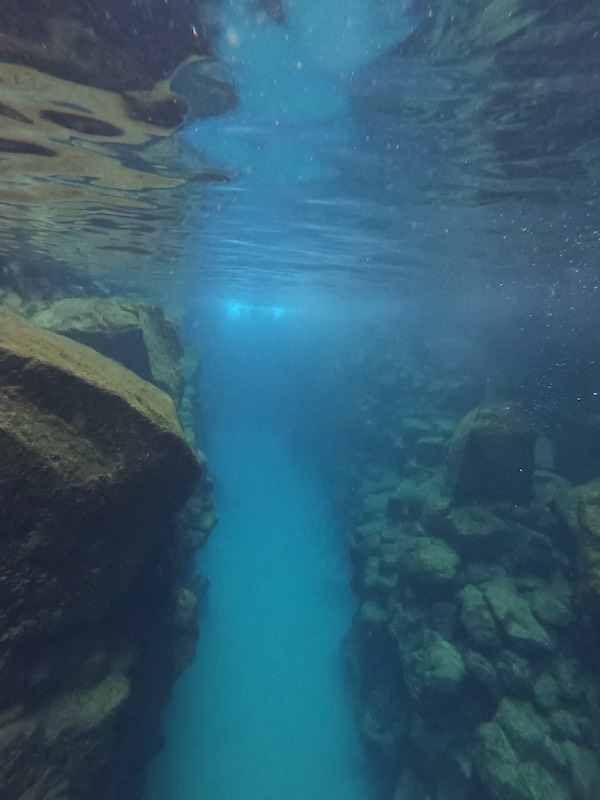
(236, 310)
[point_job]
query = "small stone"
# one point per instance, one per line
(491, 456)
(477, 533)
(515, 674)
(434, 670)
(567, 676)
(482, 670)
(504, 773)
(529, 734)
(374, 506)
(545, 692)
(519, 627)
(477, 620)
(566, 725)
(428, 562)
(367, 537)
(404, 504)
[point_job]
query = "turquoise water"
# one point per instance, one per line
(265, 711)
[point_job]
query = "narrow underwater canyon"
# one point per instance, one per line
(266, 708)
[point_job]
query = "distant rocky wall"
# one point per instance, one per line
(98, 613)
(476, 566)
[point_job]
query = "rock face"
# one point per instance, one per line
(491, 456)
(136, 334)
(94, 466)
(478, 678)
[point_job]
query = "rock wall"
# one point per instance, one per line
(476, 566)
(96, 620)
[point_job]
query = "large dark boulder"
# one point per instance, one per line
(135, 334)
(491, 456)
(93, 467)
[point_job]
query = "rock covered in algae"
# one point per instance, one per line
(94, 466)
(491, 456)
(94, 462)
(136, 334)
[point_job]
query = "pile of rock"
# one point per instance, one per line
(474, 682)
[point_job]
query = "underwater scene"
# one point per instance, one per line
(300, 400)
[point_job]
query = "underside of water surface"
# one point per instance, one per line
(299, 400)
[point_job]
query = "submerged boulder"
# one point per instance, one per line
(93, 462)
(434, 670)
(93, 467)
(135, 334)
(491, 456)
(520, 629)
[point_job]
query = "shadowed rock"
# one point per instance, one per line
(93, 467)
(135, 334)
(491, 456)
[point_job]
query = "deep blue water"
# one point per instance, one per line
(265, 711)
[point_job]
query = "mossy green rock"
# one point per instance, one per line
(477, 620)
(520, 629)
(427, 562)
(491, 456)
(94, 467)
(434, 670)
(475, 532)
(529, 734)
(94, 461)
(506, 776)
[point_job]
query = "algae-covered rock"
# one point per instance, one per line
(584, 770)
(515, 674)
(434, 670)
(491, 456)
(551, 609)
(46, 750)
(506, 776)
(94, 467)
(477, 620)
(475, 532)
(135, 334)
(404, 503)
(529, 734)
(546, 692)
(519, 627)
(94, 462)
(482, 670)
(427, 562)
